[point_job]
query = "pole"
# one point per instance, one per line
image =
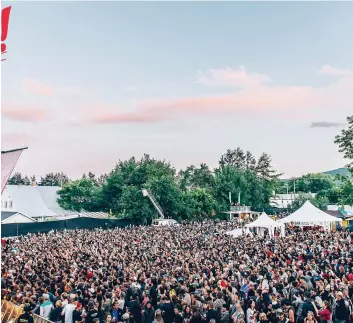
(17, 229)
(239, 198)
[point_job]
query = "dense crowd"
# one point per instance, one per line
(193, 273)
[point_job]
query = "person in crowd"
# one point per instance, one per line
(55, 314)
(194, 270)
(46, 307)
(26, 317)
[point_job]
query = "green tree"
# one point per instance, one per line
(229, 179)
(234, 157)
(313, 183)
(54, 179)
(320, 202)
(347, 193)
(198, 204)
(78, 195)
(18, 179)
(345, 142)
(193, 177)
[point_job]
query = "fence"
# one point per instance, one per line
(15, 229)
(10, 313)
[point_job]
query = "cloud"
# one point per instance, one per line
(228, 77)
(250, 94)
(37, 87)
(326, 124)
(22, 113)
(124, 118)
(329, 70)
(40, 88)
(12, 139)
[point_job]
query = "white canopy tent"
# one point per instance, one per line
(310, 215)
(238, 232)
(265, 222)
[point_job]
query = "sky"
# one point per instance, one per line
(85, 84)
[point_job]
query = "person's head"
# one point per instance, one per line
(148, 305)
(158, 315)
(263, 317)
(58, 304)
(339, 295)
(326, 305)
(238, 306)
(310, 316)
(108, 318)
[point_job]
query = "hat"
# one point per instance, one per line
(126, 316)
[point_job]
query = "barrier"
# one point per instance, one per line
(15, 229)
(10, 313)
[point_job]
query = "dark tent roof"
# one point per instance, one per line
(5, 215)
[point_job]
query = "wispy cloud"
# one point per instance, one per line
(329, 70)
(124, 118)
(228, 77)
(15, 138)
(326, 124)
(37, 87)
(248, 93)
(22, 113)
(40, 88)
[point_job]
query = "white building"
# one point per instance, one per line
(282, 201)
(15, 217)
(36, 203)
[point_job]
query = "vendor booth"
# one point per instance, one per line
(309, 215)
(264, 222)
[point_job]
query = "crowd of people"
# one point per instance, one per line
(193, 273)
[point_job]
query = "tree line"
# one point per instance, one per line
(195, 192)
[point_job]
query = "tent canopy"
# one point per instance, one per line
(309, 215)
(264, 221)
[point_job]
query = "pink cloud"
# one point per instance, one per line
(11, 139)
(124, 118)
(329, 70)
(37, 87)
(228, 77)
(22, 113)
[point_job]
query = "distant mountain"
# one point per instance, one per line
(339, 171)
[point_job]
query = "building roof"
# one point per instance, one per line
(8, 214)
(5, 215)
(28, 200)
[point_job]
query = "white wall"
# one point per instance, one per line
(17, 218)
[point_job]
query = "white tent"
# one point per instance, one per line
(238, 232)
(310, 215)
(264, 222)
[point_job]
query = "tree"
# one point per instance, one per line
(313, 183)
(345, 142)
(198, 203)
(54, 179)
(347, 193)
(320, 202)
(78, 195)
(17, 179)
(235, 157)
(193, 177)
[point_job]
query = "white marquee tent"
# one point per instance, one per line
(238, 232)
(310, 215)
(265, 222)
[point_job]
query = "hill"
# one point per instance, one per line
(339, 171)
